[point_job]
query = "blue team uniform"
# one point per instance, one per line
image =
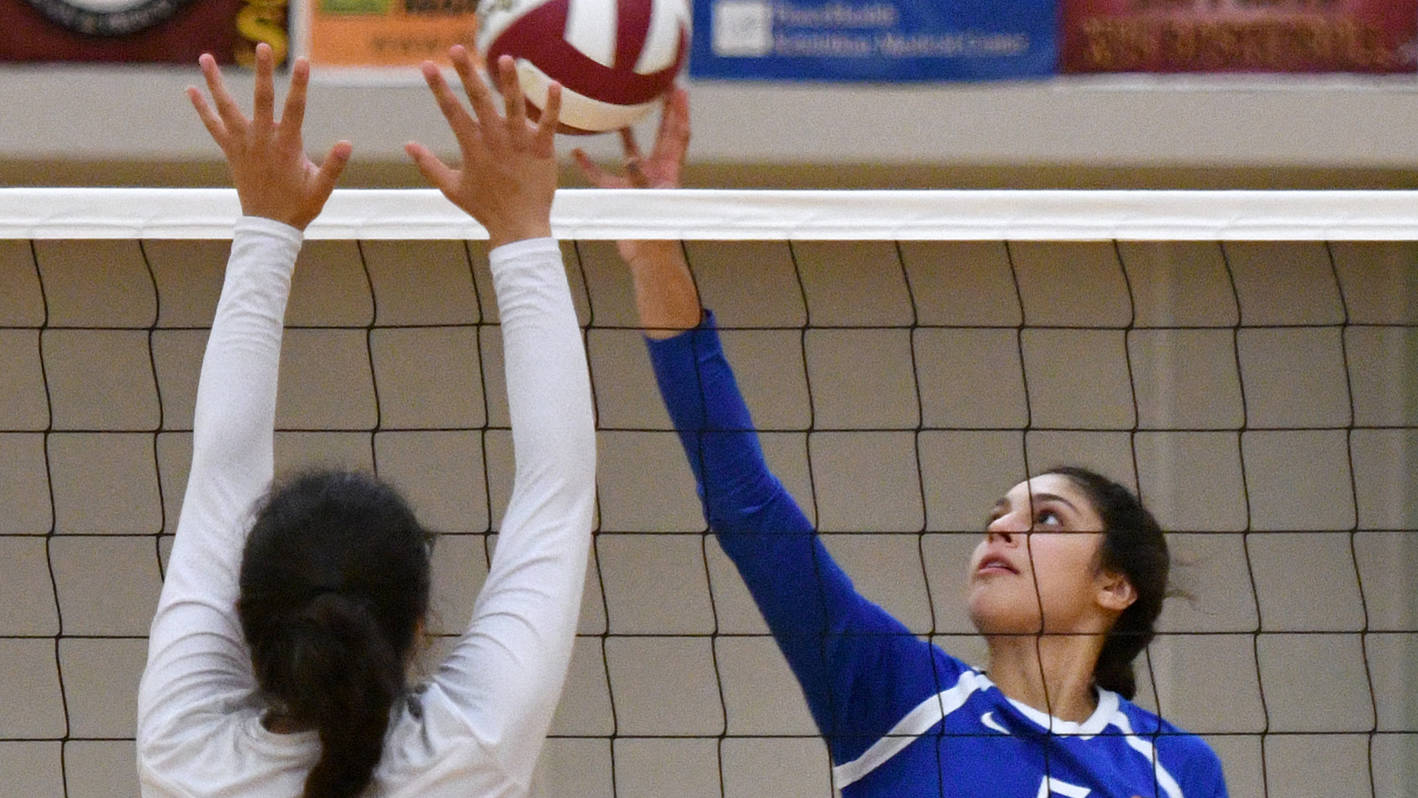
(900, 716)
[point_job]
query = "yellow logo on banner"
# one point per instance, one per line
(262, 21)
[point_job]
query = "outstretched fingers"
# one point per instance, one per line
(293, 113)
(543, 142)
(232, 118)
(662, 168)
(209, 118)
(479, 96)
(274, 177)
(512, 99)
(263, 106)
(465, 128)
(436, 172)
(594, 173)
(634, 160)
(628, 145)
(672, 140)
(331, 168)
(541, 136)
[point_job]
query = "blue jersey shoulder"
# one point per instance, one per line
(957, 739)
(1192, 762)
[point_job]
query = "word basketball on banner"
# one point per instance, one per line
(1367, 36)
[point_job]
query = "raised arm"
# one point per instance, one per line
(665, 296)
(845, 651)
(507, 671)
(195, 649)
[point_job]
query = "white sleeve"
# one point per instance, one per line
(507, 671)
(196, 655)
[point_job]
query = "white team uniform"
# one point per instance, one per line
(477, 726)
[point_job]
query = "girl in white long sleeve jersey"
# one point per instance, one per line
(288, 616)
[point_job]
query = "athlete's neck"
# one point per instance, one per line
(1051, 673)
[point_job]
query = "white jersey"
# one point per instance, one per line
(474, 729)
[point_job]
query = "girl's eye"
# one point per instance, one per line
(1048, 518)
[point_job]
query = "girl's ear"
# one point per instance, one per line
(1115, 592)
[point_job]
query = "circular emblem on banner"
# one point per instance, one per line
(108, 17)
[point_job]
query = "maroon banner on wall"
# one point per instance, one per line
(1370, 36)
(152, 31)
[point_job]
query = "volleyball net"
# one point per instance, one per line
(1245, 360)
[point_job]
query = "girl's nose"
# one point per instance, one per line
(1006, 527)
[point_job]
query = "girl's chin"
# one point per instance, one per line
(1003, 621)
(1018, 628)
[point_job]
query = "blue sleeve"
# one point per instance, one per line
(860, 669)
(1190, 759)
(1206, 778)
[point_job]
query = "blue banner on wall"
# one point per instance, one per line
(874, 40)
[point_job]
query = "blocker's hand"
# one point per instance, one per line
(508, 175)
(273, 176)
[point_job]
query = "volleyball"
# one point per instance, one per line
(613, 58)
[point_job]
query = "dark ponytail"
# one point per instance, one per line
(1134, 546)
(334, 583)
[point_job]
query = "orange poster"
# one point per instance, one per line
(387, 33)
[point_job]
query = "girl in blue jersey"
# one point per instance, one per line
(1065, 586)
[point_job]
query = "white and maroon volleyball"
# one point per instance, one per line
(613, 58)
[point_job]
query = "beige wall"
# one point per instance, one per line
(80, 125)
(1261, 396)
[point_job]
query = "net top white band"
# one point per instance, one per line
(592, 214)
